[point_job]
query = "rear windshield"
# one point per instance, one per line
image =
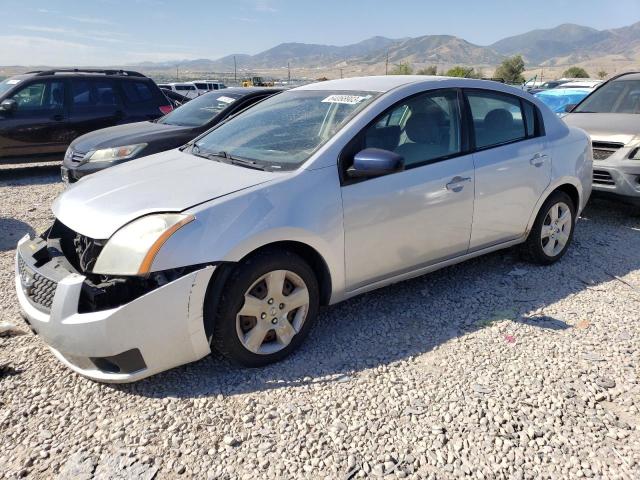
(619, 96)
(200, 110)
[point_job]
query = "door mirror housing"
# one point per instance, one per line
(375, 162)
(8, 106)
(569, 107)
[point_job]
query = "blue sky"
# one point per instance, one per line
(108, 32)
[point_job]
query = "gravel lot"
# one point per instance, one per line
(491, 369)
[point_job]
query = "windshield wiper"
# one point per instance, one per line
(233, 160)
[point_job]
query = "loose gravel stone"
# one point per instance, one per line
(417, 380)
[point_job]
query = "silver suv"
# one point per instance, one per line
(308, 198)
(611, 115)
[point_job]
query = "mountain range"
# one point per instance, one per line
(563, 45)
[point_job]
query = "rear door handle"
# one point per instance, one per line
(538, 160)
(58, 118)
(457, 183)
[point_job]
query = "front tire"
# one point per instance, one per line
(265, 309)
(552, 230)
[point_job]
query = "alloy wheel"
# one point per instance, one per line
(275, 308)
(556, 229)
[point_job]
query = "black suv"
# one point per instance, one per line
(42, 112)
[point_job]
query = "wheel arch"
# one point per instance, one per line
(224, 269)
(566, 185)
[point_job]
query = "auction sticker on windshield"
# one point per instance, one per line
(346, 99)
(226, 99)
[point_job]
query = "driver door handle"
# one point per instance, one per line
(457, 183)
(58, 118)
(538, 159)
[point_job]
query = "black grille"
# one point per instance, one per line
(75, 157)
(602, 177)
(40, 290)
(603, 150)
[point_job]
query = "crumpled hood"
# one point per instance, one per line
(172, 181)
(607, 127)
(127, 134)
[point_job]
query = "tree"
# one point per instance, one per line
(510, 70)
(575, 72)
(402, 69)
(430, 70)
(464, 72)
(602, 74)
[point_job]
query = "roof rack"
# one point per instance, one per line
(126, 73)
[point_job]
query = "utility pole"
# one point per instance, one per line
(386, 64)
(288, 72)
(341, 73)
(235, 71)
(177, 74)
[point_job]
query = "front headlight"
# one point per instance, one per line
(131, 250)
(116, 153)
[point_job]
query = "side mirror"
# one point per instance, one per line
(374, 162)
(569, 107)
(8, 106)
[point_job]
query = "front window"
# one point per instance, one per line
(421, 129)
(283, 131)
(47, 95)
(619, 96)
(200, 110)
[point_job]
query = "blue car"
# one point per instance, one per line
(558, 98)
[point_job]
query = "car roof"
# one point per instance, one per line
(627, 76)
(559, 92)
(380, 83)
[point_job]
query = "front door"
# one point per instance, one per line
(400, 222)
(38, 126)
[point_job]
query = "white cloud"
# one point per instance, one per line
(94, 20)
(38, 50)
(99, 36)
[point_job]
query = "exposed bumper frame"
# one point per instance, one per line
(166, 325)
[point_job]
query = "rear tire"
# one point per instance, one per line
(552, 230)
(265, 309)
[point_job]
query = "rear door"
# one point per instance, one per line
(94, 104)
(512, 165)
(38, 126)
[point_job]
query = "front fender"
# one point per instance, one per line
(304, 208)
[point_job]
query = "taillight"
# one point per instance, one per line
(166, 109)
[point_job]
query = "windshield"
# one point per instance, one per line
(619, 96)
(283, 131)
(200, 110)
(8, 84)
(557, 100)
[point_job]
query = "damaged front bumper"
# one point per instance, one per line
(161, 329)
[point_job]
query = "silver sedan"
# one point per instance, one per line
(313, 196)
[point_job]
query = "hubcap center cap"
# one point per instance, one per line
(273, 311)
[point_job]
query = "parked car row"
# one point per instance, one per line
(192, 89)
(42, 112)
(254, 207)
(110, 146)
(235, 239)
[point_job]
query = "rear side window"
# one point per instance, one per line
(185, 87)
(497, 118)
(92, 93)
(137, 92)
